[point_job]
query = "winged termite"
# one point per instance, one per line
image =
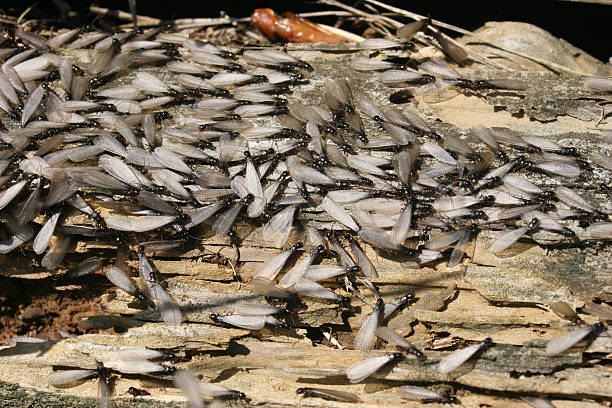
(215, 60)
(364, 263)
(170, 160)
(220, 392)
(458, 202)
(8, 90)
(105, 390)
(327, 394)
(32, 104)
(267, 287)
(138, 224)
(31, 205)
(7, 195)
(66, 377)
(258, 309)
(458, 357)
(225, 221)
(139, 367)
(321, 272)
(201, 214)
(187, 382)
(273, 266)
(338, 213)
(391, 307)
(118, 169)
(401, 78)
(59, 40)
(361, 370)
(565, 341)
(547, 222)
(601, 310)
(443, 240)
(572, 199)
(55, 255)
(390, 336)
(424, 394)
(366, 337)
(85, 267)
(253, 186)
(306, 174)
(306, 287)
(599, 230)
(345, 259)
(120, 279)
(197, 45)
(243, 322)
(299, 270)
(401, 229)
(601, 159)
(167, 306)
(155, 202)
(459, 249)
(408, 31)
(367, 64)
(234, 78)
(510, 237)
(379, 238)
(564, 310)
(537, 402)
(598, 84)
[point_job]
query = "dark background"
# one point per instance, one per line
(587, 26)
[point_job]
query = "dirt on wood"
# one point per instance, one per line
(43, 308)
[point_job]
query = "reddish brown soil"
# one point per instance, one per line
(43, 307)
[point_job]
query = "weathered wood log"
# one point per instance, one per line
(504, 298)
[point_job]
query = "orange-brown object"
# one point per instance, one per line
(290, 27)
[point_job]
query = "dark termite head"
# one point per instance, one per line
(502, 156)
(283, 325)
(396, 356)
(353, 269)
(342, 185)
(141, 297)
(546, 195)
(480, 84)
(344, 300)
(297, 246)
(487, 199)
(533, 223)
(169, 370)
(570, 150)
(598, 326)
(568, 233)
(478, 214)
(418, 353)
(318, 250)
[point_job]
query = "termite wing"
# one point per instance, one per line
(361, 370)
(455, 359)
(166, 305)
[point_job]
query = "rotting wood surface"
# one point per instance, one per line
(503, 298)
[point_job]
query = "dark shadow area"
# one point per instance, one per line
(584, 25)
